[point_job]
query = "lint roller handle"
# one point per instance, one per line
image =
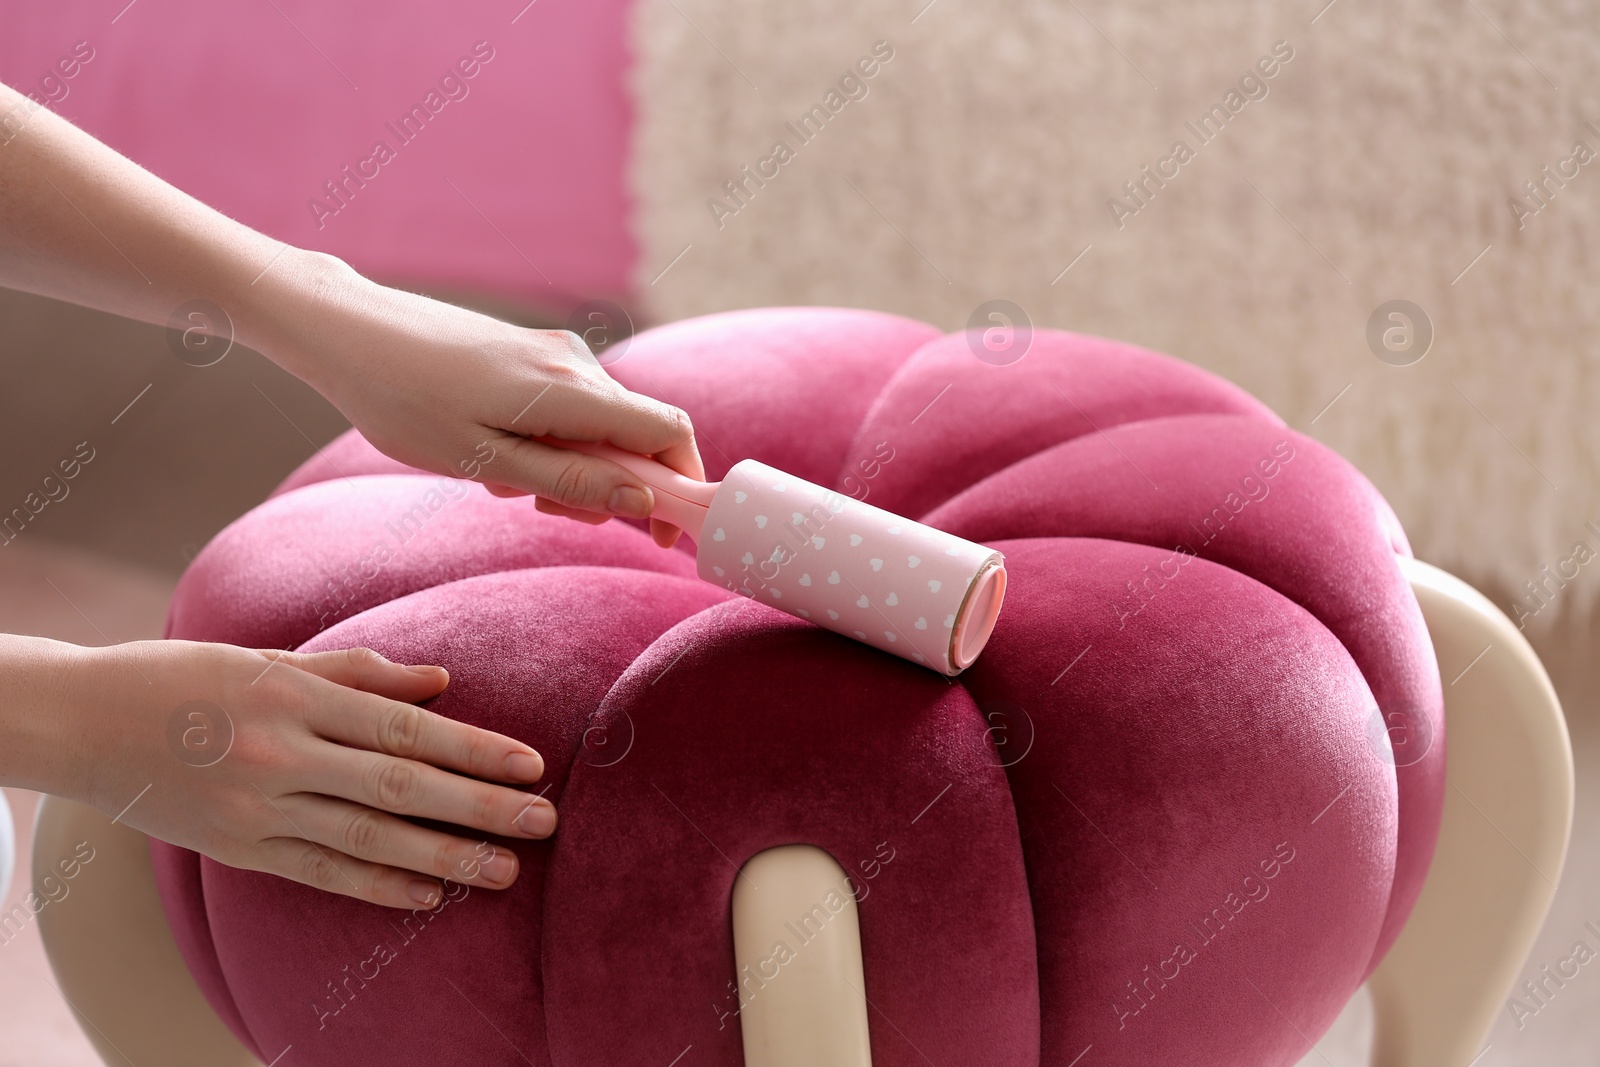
(679, 499)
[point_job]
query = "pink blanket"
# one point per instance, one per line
(466, 145)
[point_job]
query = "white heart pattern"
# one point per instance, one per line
(922, 622)
(933, 585)
(719, 535)
(818, 542)
(862, 602)
(740, 496)
(877, 564)
(912, 561)
(805, 579)
(833, 577)
(860, 636)
(779, 488)
(834, 615)
(949, 622)
(761, 522)
(777, 594)
(855, 539)
(892, 600)
(894, 529)
(748, 560)
(804, 614)
(891, 635)
(718, 571)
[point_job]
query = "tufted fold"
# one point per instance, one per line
(788, 735)
(1167, 761)
(1268, 503)
(1176, 812)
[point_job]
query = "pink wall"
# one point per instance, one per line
(252, 105)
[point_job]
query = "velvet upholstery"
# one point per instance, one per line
(1176, 812)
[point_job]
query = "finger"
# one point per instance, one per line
(334, 872)
(574, 479)
(412, 733)
(368, 671)
(381, 838)
(551, 507)
(408, 787)
(664, 533)
(684, 458)
(592, 406)
(504, 490)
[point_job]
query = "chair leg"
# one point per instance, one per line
(8, 847)
(797, 958)
(1507, 820)
(113, 954)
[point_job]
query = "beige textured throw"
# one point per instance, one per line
(1242, 185)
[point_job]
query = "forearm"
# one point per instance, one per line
(81, 223)
(42, 693)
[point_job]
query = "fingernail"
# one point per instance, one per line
(631, 501)
(524, 766)
(423, 669)
(499, 868)
(424, 893)
(537, 819)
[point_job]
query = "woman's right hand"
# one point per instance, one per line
(327, 759)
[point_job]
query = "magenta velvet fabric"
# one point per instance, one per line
(1176, 812)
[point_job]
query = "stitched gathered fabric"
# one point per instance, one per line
(1178, 810)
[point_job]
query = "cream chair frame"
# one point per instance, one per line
(8, 847)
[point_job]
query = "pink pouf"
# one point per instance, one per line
(1160, 816)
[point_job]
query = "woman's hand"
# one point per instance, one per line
(460, 394)
(308, 766)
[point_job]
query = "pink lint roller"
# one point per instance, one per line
(908, 589)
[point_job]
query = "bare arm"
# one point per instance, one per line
(428, 383)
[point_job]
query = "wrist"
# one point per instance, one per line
(285, 309)
(47, 704)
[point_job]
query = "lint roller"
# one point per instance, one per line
(908, 589)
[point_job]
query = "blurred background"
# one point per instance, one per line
(1431, 161)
